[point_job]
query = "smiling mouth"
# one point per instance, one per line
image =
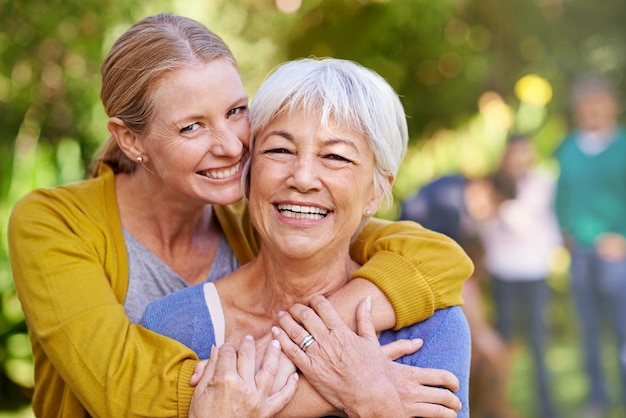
(302, 212)
(220, 174)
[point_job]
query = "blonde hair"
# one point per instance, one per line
(137, 61)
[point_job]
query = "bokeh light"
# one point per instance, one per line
(288, 6)
(533, 89)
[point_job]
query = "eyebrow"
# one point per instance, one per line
(282, 133)
(242, 101)
(335, 140)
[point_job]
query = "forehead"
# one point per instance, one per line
(217, 78)
(305, 121)
(596, 97)
(520, 146)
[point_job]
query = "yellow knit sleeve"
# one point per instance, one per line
(419, 270)
(70, 273)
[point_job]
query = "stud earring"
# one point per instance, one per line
(140, 161)
(368, 212)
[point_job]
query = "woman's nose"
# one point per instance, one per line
(305, 174)
(227, 143)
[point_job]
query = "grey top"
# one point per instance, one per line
(150, 279)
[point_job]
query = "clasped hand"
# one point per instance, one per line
(232, 386)
(351, 371)
(355, 374)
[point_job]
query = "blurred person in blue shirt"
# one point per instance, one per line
(454, 205)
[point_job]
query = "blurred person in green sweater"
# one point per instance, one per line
(591, 209)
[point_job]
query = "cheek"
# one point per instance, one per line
(253, 204)
(353, 190)
(181, 158)
(259, 209)
(243, 133)
(367, 185)
(260, 180)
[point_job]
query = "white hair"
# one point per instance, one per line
(591, 84)
(350, 94)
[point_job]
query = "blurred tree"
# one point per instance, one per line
(427, 53)
(440, 56)
(51, 52)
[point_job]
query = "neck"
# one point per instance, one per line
(145, 209)
(605, 132)
(277, 283)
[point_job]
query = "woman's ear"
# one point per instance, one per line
(127, 140)
(377, 198)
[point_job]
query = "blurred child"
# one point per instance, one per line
(519, 239)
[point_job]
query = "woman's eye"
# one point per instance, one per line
(237, 110)
(277, 151)
(190, 128)
(339, 158)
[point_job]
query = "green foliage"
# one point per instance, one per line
(420, 47)
(47, 74)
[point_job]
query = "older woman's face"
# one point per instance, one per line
(309, 185)
(198, 135)
(596, 111)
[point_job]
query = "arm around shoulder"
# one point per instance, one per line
(419, 270)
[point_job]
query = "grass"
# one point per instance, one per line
(22, 413)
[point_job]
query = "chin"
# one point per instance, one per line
(219, 196)
(222, 200)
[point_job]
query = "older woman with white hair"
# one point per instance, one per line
(328, 137)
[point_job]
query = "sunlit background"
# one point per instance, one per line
(468, 73)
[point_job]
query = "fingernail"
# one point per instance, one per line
(276, 343)
(281, 313)
(417, 341)
(249, 337)
(275, 331)
(296, 376)
(368, 303)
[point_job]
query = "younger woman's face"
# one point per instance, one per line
(198, 135)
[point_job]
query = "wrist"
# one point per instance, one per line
(384, 403)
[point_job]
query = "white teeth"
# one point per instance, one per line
(302, 212)
(222, 173)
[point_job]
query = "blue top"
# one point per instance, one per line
(440, 206)
(184, 316)
(591, 189)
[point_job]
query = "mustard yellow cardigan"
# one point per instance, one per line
(71, 273)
